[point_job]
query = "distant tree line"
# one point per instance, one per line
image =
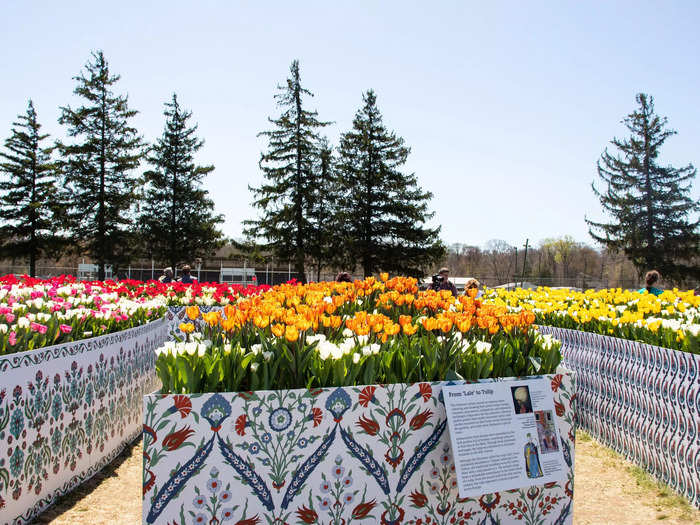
(554, 261)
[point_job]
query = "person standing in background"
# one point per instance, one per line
(186, 277)
(651, 278)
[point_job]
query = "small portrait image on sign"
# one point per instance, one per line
(532, 459)
(546, 434)
(521, 399)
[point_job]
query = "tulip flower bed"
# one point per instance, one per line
(345, 334)
(322, 404)
(671, 320)
(35, 313)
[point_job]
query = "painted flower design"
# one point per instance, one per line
(418, 499)
(338, 403)
(280, 419)
(213, 485)
(420, 419)
(227, 514)
(425, 391)
(362, 510)
(370, 426)
(215, 410)
(325, 487)
(306, 514)
(556, 382)
(182, 404)
(199, 502)
(174, 440)
(241, 424)
(316, 416)
(367, 396)
(266, 437)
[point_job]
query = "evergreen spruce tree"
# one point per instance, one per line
(383, 209)
(29, 203)
(325, 232)
(286, 198)
(178, 222)
(99, 167)
(650, 204)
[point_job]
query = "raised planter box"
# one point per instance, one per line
(642, 401)
(68, 410)
(333, 455)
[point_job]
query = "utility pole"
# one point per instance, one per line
(522, 276)
(515, 269)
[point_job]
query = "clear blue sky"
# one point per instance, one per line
(506, 105)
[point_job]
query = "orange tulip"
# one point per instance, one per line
(291, 334)
(277, 330)
(410, 329)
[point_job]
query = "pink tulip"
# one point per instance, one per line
(66, 329)
(9, 317)
(12, 339)
(36, 327)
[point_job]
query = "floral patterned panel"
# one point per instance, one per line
(68, 410)
(642, 401)
(373, 454)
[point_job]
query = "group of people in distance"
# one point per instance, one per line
(651, 279)
(186, 277)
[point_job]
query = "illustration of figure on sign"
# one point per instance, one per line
(546, 435)
(532, 459)
(521, 399)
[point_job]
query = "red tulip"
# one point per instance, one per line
(419, 419)
(368, 425)
(249, 521)
(363, 509)
(173, 440)
(418, 499)
(307, 515)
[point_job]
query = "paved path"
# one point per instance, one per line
(608, 491)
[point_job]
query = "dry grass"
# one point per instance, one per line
(609, 490)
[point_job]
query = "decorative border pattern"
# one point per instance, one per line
(67, 411)
(379, 453)
(640, 400)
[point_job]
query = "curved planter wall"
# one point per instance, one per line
(379, 453)
(642, 401)
(68, 410)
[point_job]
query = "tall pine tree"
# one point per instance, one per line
(99, 167)
(650, 204)
(29, 203)
(325, 234)
(383, 208)
(286, 198)
(177, 219)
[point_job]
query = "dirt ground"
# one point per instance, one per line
(608, 491)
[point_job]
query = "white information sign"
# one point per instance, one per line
(504, 435)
